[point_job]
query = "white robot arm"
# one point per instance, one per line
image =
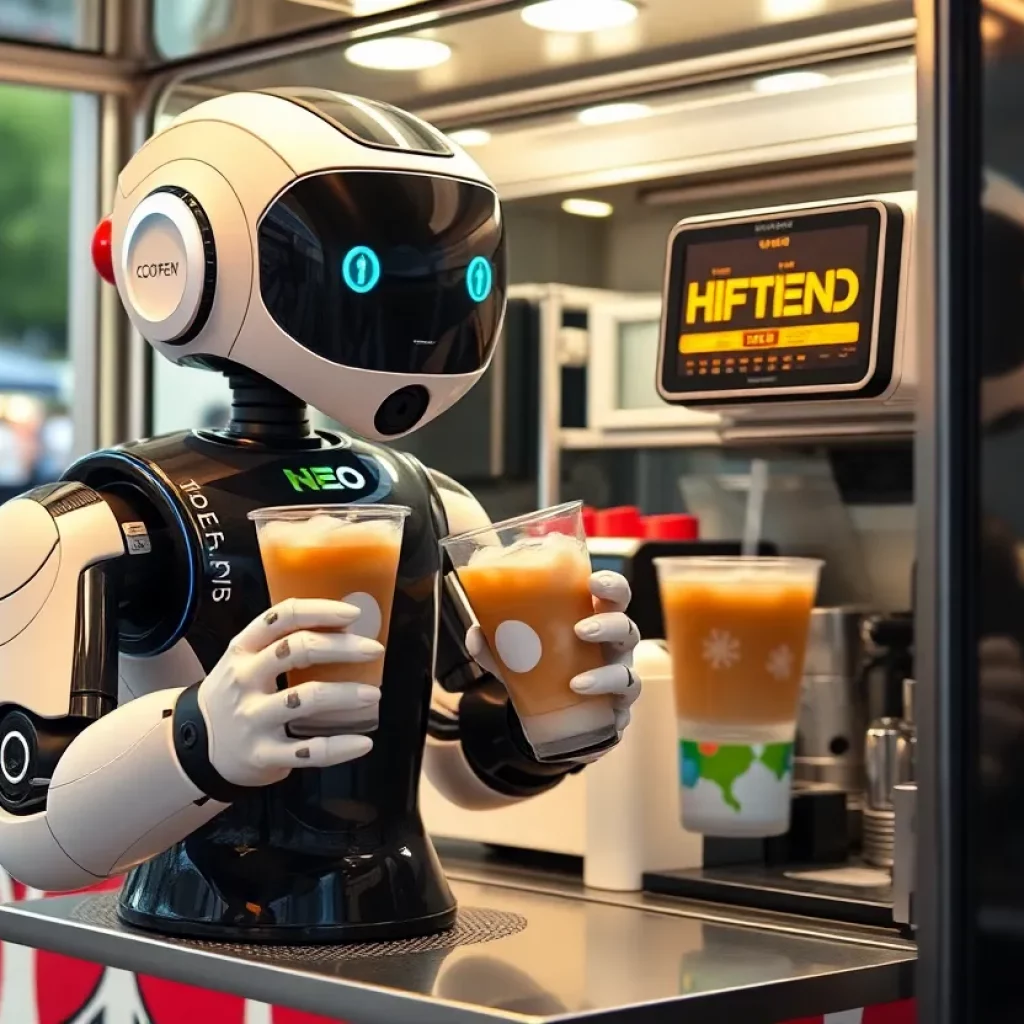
(89, 789)
(78, 787)
(471, 757)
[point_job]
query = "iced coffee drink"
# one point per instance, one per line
(528, 583)
(737, 632)
(344, 553)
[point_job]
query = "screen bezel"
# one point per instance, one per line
(886, 235)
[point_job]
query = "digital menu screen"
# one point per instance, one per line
(773, 303)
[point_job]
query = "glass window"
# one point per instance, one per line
(185, 398)
(185, 27)
(36, 431)
(71, 23)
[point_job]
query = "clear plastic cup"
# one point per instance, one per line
(737, 633)
(345, 553)
(527, 581)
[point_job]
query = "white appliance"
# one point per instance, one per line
(621, 814)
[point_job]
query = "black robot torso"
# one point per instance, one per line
(334, 854)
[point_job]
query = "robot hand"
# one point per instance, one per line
(608, 626)
(246, 715)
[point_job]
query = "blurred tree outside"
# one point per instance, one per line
(35, 135)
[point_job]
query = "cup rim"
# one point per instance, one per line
(515, 521)
(277, 513)
(740, 561)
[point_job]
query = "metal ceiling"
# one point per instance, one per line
(496, 54)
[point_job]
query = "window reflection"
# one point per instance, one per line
(71, 23)
(185, 27)
(35, 375)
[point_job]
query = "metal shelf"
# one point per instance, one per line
(558, 954)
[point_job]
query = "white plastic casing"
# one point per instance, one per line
(234, 155)
(898, 397)
(40, 568)
(162, 263)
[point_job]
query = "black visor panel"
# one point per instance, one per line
(386, 271)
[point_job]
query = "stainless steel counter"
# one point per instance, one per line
(535, 947)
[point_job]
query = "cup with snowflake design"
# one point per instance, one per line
(737, 631)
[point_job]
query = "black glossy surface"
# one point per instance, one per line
(333, 854)
(419, 316)
(970, 495)
(581, 957)
(378, 125)
(996, 820)
(775, 889)
(816, 238)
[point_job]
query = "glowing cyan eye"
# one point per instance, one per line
(361, 269)
(479, 278)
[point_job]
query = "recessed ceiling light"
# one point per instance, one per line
(783, 10)
(398, 53)
(470, 137)
(992, 28)
(610, 113)
(579, 15)
(366, 8)
(587, 207)
(790, 81)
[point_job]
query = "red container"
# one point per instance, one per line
(674, 526)
(623, 521)
(589, 521)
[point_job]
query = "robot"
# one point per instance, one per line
(316, 248)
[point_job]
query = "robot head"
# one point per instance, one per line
(340, 247)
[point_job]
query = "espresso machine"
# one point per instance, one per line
(799, 321)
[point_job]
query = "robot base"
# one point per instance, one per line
(271, 895)
(327, 934)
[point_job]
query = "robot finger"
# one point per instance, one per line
(616, 678)
(613, 628)
(310, 699)
(622, 717)
(305, 648)
(288, 616)
(480, 652)
(314, 752)
(610, 591)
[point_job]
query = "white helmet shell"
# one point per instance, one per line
(339, 247)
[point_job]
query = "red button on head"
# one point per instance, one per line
(102, 252)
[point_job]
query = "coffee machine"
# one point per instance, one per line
(798, 319)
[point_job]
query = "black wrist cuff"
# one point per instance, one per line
(496, 748)
(192, 748)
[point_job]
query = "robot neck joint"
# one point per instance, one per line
(264, 412)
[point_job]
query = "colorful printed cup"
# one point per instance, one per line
(737, 630)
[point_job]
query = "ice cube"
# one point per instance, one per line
(542, 552)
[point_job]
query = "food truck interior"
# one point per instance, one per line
(764, 272)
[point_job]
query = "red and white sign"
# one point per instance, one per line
(39, 987)
(904, 1012)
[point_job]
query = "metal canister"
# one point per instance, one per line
(888, 760)
(833, 705)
